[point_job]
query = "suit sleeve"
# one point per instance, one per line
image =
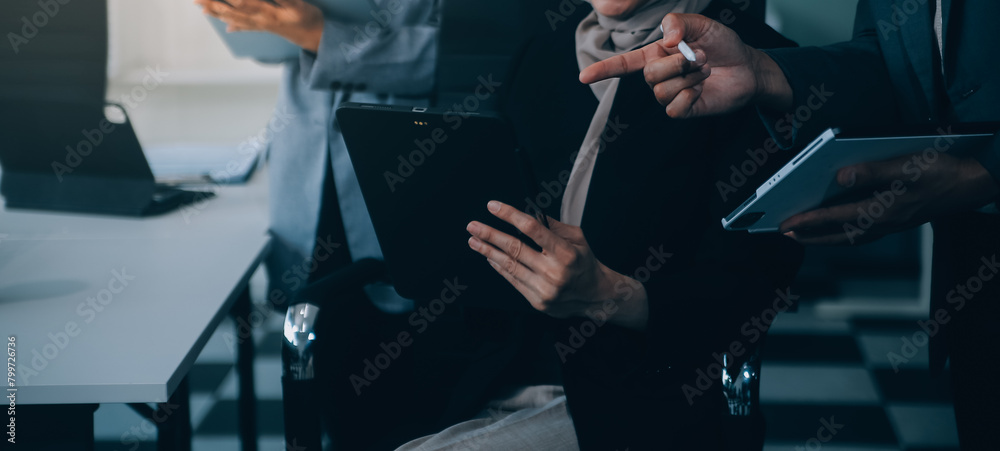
(393, 53)
(839, 85)
(990, 158)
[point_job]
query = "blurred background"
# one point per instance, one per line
(213, 97)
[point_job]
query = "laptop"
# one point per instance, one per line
(68, 156)
(54, 152)
(809, 181)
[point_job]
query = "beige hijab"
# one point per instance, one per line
(599, 38)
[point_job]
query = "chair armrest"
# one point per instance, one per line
(300, 320)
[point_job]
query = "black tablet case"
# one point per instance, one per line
(421, 198)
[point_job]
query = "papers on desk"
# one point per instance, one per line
(202, 163)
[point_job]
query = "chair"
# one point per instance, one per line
(741, 387)
(303, 429)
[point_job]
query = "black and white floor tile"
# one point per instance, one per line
(819, 374)
(840, 372)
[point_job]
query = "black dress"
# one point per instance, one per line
(658, 192)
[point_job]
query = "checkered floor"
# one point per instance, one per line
(818, 373)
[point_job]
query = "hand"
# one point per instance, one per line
(906, 192)
(726, 75)
(299, 22)
(565, 279)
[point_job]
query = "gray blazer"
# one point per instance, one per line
(392, 55)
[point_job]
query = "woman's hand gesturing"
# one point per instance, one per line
(565, 279)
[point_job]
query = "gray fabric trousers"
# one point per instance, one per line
(527, 418)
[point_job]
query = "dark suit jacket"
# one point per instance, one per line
(889, 74)
(653, 212)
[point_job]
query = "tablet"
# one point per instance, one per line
(424, 175)
(259, 45)
(809, 180)
(271, 48)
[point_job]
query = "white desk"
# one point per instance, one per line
(187, 269)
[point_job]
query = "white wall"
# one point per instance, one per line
(205, 96)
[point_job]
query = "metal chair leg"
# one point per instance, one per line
(298, 383)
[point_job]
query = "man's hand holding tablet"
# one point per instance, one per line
(950, 185)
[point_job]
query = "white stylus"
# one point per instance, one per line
(686, 51)
(684, 48)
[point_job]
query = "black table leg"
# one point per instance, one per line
(173, 420)
(52, 428)
(244, 368)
